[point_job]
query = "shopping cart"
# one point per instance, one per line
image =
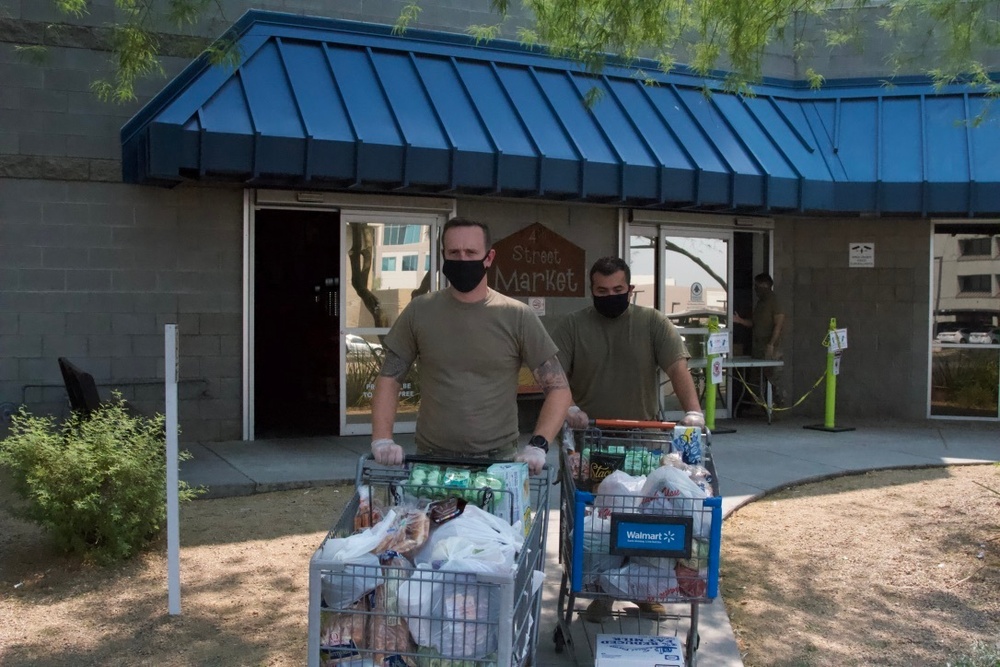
(651, 544)
(426, 615)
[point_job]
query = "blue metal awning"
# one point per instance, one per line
(329, 104)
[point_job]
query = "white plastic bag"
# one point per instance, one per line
(449, 611)
(670, 492)
(596, 548)
(354, 571)
(495, 538)
(618, 492)
(642, 583)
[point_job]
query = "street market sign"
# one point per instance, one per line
(535, 261)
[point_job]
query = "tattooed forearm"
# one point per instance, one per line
(550, 375)
(394, 367)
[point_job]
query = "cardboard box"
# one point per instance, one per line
(638, 651)
(516, 504)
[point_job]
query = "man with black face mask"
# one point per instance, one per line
(611, 352)
(471, 342)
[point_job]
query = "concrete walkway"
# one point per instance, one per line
(754, 460)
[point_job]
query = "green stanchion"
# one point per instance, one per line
(829, 424)
(711, 390)
(713, 327)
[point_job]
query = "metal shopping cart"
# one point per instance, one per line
(459, 613)
(656, 543)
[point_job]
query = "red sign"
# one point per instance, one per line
(535, 261)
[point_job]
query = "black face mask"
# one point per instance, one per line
(464, 275)
(611, 305)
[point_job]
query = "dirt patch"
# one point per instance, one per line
(244, 589)
(887, 568)
(877, 569)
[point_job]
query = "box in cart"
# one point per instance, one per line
(516, 503)
(637, 651)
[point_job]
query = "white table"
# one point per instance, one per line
(746, 362)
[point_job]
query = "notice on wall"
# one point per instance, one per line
(537, 262)
(861, 255)
(537, 304)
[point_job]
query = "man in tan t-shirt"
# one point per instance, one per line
(611, 352)
(471, 342)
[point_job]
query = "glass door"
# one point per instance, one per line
(685, 273)
(389, 260)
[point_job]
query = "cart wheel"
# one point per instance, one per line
(559, 640)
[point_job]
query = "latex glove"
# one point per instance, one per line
(693, 418)
(387, 452)
(534, 457)
(577, 418)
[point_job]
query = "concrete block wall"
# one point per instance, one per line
(94, 271)
(885, 309)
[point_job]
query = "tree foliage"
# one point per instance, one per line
(948, 38)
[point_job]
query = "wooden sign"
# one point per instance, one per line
(535, 261)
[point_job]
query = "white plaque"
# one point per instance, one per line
(836, 365)
(697, 293)
(537, 304)
(861, 255)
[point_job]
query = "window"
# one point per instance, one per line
(401, 234)
(388, 263)
(409, 262)
(982, 283)
(427, 262)
(977, 247)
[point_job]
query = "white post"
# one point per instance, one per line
(170, 374)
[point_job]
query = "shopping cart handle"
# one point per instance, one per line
(632, 423)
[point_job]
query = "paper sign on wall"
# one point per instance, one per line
(537, 304)
(718, 343)
(861, 255)
(836, 365)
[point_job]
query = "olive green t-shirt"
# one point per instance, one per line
(468, 357)
(763, 323)
(611, 363)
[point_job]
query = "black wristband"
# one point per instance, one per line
(540, 442)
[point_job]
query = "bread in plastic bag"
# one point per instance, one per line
(388, 632)
(342, 634)
(407, 533)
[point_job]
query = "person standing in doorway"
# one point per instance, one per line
(611, 352)
(470, 342)
(766, 325)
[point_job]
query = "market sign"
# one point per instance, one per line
(535, 261)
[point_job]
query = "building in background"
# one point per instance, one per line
(283, 212)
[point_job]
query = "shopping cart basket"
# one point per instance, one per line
(658, 542)
(457, 613)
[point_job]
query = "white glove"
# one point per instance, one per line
(577, 418)
(387, 452)
(534, 457)
(693, 418)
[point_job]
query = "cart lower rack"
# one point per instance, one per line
(464, 593)
(645, 533)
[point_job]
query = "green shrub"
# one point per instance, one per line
(983, 655)
(97, 484)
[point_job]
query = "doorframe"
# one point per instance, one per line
(667, 223)
(303, 200)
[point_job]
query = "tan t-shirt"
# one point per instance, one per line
(468, 357)
(611, 363)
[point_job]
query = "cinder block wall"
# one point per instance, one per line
(885, 310)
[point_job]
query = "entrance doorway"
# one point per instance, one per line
(296, 327)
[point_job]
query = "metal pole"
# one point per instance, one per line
(170, 357)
